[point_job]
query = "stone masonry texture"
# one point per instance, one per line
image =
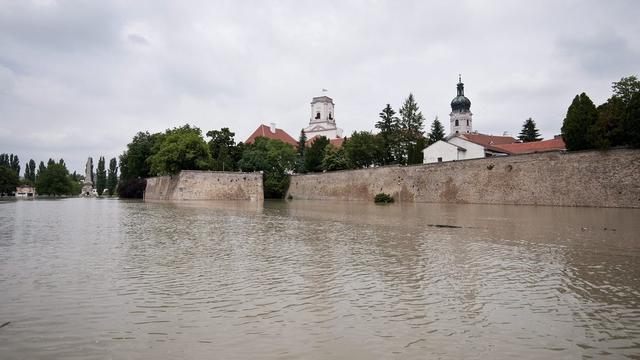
(205, 185)
(587, 178)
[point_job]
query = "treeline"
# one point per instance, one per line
(400, 141)
(614, 123)
(50, 179)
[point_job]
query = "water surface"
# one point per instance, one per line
(89, 278)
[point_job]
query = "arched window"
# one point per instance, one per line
(330, 117)
(457, 124)
(318, 115)
(467, 122)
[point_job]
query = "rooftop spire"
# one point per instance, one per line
(460, 86)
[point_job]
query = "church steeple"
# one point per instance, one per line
(460, 111)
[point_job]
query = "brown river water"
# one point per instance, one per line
(100, 279)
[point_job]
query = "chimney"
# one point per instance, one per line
(273, 127)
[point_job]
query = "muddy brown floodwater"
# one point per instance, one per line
(98, 279)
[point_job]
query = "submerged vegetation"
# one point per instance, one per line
(383, 198)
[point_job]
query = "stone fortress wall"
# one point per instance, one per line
(205, 185)
(587, 178)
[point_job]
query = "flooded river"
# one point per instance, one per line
(99, 279)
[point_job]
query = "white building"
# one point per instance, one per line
(26, 191)
(322, 121)
(463, 143)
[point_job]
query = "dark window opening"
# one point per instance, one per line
(439, 159)
(330, 117)
(467, 122)
(318, 115)
(457, 124)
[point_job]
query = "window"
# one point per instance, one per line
(318, 115)
(457, 124)
(439, 159)
(330, 118)
(467, 122)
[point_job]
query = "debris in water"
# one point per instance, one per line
(445, 226)
(5, 324)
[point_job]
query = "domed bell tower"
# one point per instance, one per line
(460, 116)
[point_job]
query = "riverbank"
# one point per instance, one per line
(586, 178)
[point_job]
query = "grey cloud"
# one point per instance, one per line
(88, 75)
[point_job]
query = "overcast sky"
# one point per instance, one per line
(80, 78)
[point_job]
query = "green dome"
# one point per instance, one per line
(460, 102)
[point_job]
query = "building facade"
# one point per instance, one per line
(322, 121)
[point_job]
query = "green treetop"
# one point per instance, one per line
(181, 148)
(577, 125)
(112, 177)
(529, 131)
(436, 133)
(101, 177)
(389, 126)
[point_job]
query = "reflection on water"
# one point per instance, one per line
(87, 278)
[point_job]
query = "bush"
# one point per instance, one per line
(132, 188)
(383, 198)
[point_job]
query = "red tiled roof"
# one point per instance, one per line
(279, 134)
(482, 139)
(337, 142)
(555, 144)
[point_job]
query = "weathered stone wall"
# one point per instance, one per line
(205, 185)
(589, 178)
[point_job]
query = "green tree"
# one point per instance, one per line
(27, 172)
(32, 172)
(577, 127)
(437, 132)
(608, 130)
(134, 165)
(101, 177)
(414, 152)
(54, 180)
(529, 131)
(14, 164)
(222, 147)
(627, 90)
(8, 179)
(334, 159)
(301, 151)
(134, 162)
(363, 149)
(275, 159)
(315, 153)
(181, 148)
(41, 169)
(411, 126)
(112, 177)
(389, 126)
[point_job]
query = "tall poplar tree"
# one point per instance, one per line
(32, 171)
(101, 177)
(112, 177)
(529, 131)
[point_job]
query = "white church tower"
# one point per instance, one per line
(460, 116)
(322, 122)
